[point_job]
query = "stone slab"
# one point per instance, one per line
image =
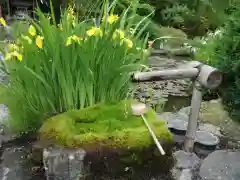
(221, 165)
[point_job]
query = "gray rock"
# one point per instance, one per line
(5, 133)
(178, 125)
(210, 128)
(15, 165)
(206, 138)
(186, 174)
(180, 117)
(221, 165)
(182, 174)
(206, 143)
(4, 115)
(175, 121)
(202, 152)
(178, 121)
(62, 163)
(186, 160)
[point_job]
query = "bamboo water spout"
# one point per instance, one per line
(202, 76)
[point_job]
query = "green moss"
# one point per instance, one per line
(110, 125)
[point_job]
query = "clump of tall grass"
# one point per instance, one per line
(54, 68)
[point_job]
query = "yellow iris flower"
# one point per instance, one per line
(94, 31)
(14, 54)
(118, 34)
(32, 31)
(128, 42)
(69, 41)
(3, 22)
(76, 38)
(18, 55)
(39, 42)
(73, 38)
(112, 19)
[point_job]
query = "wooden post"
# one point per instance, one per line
(33, 8)
(8, 8)
(0, 10)
(210, 78)
(193, 117)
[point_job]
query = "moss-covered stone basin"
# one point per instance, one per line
(112, 137)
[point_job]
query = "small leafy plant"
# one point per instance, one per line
(206, 46)
(74, 64)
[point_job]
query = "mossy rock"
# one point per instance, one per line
(113, 139)
(110, 125)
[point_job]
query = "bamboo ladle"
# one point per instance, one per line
(138, 110)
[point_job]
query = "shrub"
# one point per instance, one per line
(195, 17)
(72, 65)
(227, 59)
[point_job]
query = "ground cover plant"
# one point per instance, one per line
(54, 67)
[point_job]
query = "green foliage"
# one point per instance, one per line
(2, 36)
(3, 94)
(72, 65)
(227, 60)
(206, 46)
(110, 125)
(195, 17)
(18, 28)
(174, 37)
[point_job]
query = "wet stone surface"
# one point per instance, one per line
(63, 164)
(210, 128)
(186, 165)
(186, 160)
(206, 138)
(15, 165)
(185, 174)
(221, 165)
(5, 133)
